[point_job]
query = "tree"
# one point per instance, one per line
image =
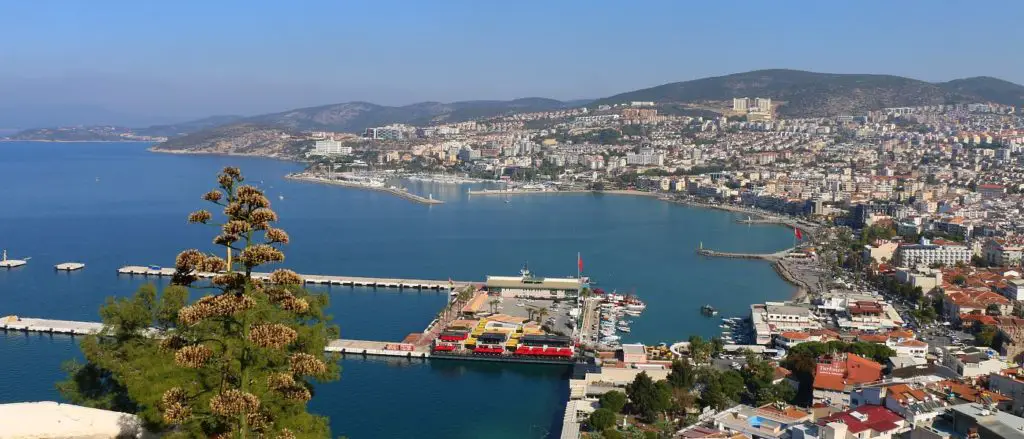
(611, 433)
(647, 398)
(602, 419)
(613, 400)
(682, 375)
(239, 362)
(993, 309)
(700, 350)
(541, 314)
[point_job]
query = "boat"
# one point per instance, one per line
(708, 310)
(280, 197)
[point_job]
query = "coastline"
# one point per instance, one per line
(226, 154)
(392, 191)
(802, 289)
(569, 192)
(76, 141)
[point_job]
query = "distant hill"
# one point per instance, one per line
(179, 129)
(236, 139)
(826, 94)
(357, 116)
(988, 88)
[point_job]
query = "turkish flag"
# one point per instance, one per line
(799, 235)
(579, 262)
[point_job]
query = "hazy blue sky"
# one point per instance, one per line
(182, 59)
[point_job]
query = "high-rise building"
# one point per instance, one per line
(741, 104)
(330, 147)
(763, 105)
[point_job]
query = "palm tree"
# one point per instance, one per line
(541, 314)
(494, 305)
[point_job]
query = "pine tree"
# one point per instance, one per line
(236, 363)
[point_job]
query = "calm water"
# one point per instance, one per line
(109, 205)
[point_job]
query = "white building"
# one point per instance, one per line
(970, 362)
(926, 253)
(646, 157)
(330, 147)
(740, 104)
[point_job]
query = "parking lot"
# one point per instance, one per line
(557, 316)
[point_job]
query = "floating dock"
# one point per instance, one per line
(10, 263)
(376, 282)
(27, 324)
(69, 266)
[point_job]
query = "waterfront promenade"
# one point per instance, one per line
(321, 279)
(429, 200)
(561, 192)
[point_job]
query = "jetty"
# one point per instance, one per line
(377, 348)
(428, 200)
(321, 279)
(766, 256)
(71, 327)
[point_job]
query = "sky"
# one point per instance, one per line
(166, 61)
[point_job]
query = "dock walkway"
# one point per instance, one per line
(376, 282)
(71, 327)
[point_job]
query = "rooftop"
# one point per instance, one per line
(873, 417)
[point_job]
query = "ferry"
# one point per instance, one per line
(708, 310)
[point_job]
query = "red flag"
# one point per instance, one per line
(579, 262)
(799, 235)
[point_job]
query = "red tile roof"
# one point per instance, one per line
(878, 418)
(837, 373)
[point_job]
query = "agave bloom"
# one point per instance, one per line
(306, 364)
(260, 254)
(189, 259)
(193, 357)
(285, 277)
(213, 196)
(276, 235)
(199, 216)
(232, 402)
(174, 405)
(274, 335)
(236, 227)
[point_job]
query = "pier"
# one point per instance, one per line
(428, 200)
(318, 279)
(377, 348)
(766, 256)
(71, 327)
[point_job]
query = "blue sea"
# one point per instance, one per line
(114, 204)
